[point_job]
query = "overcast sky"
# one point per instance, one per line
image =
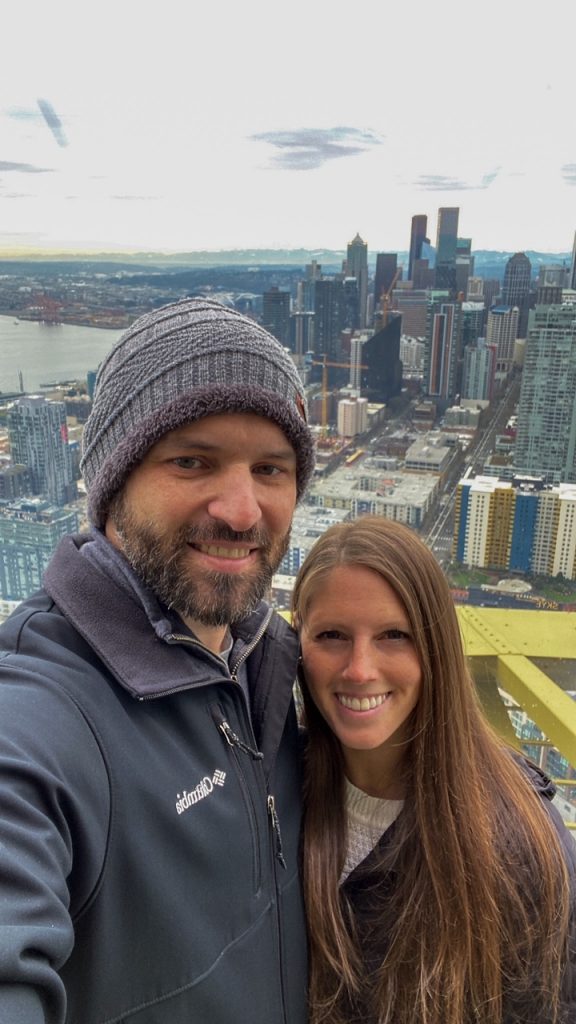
(198, 125)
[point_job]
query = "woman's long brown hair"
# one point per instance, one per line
(478, 912)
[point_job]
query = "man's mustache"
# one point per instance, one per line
(213, 532)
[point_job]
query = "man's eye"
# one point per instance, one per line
(187, 462)
(267, 470)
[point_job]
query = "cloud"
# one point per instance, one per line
(569, 174)
(53, 121)
(442, 183)
(439, 182)
(128, 198)
(303, 149)
(487, 179)
(22, 113)
(9, 165)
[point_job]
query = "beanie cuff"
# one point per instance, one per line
(108, 478)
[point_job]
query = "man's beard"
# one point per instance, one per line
(209, 597)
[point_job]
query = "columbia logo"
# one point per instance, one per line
(206, 786)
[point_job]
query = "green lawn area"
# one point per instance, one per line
(562, 591)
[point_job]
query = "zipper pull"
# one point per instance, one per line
(276, 830)
(234, 741)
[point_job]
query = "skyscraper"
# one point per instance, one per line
(386, 270)
(329, 317)
(502, 331)
(572, 280)
(443, 345)
(30, 529)
(516, 288)
(417, 240)
(357, 266)
(464, 264)
(479, 369)
(446, 248)
(38, 437)
(472, 322)
(546, 434)
(276, 314)
(351, 303)
(382, 374)
(301, 335)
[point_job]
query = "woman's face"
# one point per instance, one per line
(361, 667)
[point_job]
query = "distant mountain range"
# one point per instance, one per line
(487, 263)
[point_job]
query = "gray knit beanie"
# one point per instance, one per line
(182, 362)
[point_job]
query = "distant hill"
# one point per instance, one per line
(487, 263)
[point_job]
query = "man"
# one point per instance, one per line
(149, 784)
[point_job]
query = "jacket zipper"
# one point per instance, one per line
(275, 822)
(237, 749)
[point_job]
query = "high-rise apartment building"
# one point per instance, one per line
(519, 525)
(14, 482)
(30, 529)
(357, 266)
(572, 280)
(516, 288)
(329, 317)
(502, 331)
(479, 370)
(276, 314)
(301, 335)
(38, 437)
(352, 416)
(472, 322)
(546, 432)
(417, 240)
(443, 351)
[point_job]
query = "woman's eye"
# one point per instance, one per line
(395, 634)
(329, 634)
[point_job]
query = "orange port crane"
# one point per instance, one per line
(325, 363)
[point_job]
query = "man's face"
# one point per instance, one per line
(205, 518)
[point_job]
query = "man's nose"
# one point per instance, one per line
(235, 500)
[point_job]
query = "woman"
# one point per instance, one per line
(438, 875)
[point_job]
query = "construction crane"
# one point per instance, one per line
(386, 298)
(325, 363)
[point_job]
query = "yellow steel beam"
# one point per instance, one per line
(553, 711)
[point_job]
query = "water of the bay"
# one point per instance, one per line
(44, 353)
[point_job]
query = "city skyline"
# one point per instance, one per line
(241, 130)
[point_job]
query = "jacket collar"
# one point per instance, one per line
(95, 588)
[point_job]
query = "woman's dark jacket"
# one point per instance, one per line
(365, 889)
